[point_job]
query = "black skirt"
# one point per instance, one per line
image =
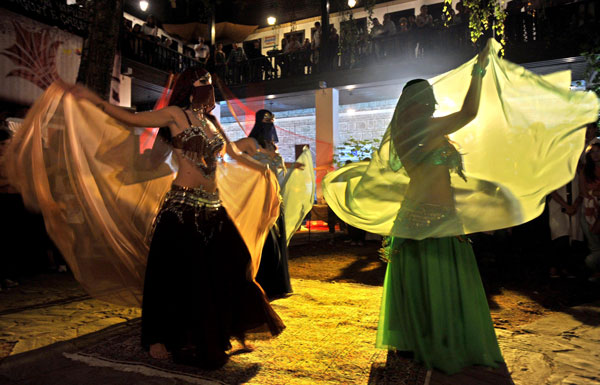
(273, 273)
(197, 294)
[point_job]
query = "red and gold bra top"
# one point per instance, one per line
(197, 147)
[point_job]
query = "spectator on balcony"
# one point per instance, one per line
(305, 54)
(412, 23)
(288, 63)
(424, 19)
(404, 42)
(316, 42)
(376, 33)
(403, 25)
(237, 62)
(134, 40)
(258, 62)
(220, 62)
(306, 46)
(292, 45)
(202, 51)
(150, 27)
(137, 30)
(389, 27)
(461, 15)
(284, 42)
(424, 26)
(377, 28)
(334, 43)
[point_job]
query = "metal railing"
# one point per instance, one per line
(148, 50)
(534, 35)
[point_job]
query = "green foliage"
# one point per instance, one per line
(355, 150)
(483, 14)
(351, 36)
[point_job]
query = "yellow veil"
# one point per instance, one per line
(524, 143)
(99, 196)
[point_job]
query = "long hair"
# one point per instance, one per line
(263, 132)
(180, 97)
(416, 91)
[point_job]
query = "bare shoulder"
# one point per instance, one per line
(246, 145)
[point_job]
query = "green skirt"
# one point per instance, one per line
(434, 305)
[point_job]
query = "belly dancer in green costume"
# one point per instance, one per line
(519, 144)
(434, 304)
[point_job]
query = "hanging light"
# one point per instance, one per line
(143, 5)
(351, 3)
(271, 20)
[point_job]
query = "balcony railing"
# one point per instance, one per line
(147, 50)
(549, 33)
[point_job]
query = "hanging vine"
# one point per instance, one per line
(352, 36)
(483, 14)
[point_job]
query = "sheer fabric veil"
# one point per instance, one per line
(83, 171)
(524, 143)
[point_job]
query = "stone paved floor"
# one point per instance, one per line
(562, 348)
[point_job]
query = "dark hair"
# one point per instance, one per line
(5, 134)
(589, 168)
(180, 97)
(416, 91)
(263, 132)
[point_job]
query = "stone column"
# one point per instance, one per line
(326, 125)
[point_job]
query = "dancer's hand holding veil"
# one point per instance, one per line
(518, 136)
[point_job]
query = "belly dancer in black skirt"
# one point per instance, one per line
(197, 290)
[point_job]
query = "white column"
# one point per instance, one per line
(124, 91)
(327, 106)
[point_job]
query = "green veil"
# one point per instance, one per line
(524, 143)
(298, 193)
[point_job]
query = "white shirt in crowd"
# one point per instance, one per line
(201, 50)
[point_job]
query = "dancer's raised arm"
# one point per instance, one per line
(158, 118)
(454, 122)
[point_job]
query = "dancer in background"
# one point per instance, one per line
(198, 289)
(424, 193)
(273, 274)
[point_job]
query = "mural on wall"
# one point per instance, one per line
(33, 55)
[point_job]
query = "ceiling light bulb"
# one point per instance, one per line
(143, 5)
(271, 20)
(351, 3)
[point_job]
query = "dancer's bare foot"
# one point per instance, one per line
(159, 351)
(247, 346)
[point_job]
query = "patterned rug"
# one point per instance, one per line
(329, 340)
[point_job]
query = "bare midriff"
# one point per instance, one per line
(430, 184)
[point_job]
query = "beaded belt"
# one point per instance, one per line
(195, 197)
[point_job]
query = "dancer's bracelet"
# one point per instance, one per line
(478, 70)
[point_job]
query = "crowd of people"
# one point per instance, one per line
(401, 36)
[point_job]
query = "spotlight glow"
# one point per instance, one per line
(271, 20)
(271, 97)
(351, 3)
(351, 87)
(143, 5)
